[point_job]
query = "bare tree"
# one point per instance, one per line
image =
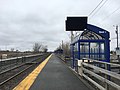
(12, 49)
(44, 48)
(65, 47)
(37, 47)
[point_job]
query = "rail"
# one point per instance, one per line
(99, 74)
(13, 75)
(20, 57)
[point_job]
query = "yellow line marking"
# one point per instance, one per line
(28, 81)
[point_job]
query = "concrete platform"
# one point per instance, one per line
(57, 76)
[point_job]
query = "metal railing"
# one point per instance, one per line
(99, 74)
(20, 57)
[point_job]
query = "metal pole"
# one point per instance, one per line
(117, 42)
(117, 35)
(117, 45)
(62, 44)
(72, 35)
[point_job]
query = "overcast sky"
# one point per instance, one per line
(24, 22)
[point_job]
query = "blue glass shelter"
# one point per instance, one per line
(92, 43)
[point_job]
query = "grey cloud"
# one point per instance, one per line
(24, 22)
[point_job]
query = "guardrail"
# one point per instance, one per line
(20, 57)
(101, 77)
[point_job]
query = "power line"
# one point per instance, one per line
(110, 14)
(118, 23)
(105, 18)
(95, 8)
(99, 8)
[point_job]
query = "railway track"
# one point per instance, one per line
(11, 77)
(6, 64)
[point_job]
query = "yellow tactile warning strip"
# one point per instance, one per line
(28, 81)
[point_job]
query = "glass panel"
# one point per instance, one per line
(84, 47)
(86, 56)
(96, 50)
(81, 56)
(102, 47)
(76, 47)
(94, 47)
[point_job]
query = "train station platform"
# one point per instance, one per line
(56, 76)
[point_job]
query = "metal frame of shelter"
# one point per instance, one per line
(92, 43)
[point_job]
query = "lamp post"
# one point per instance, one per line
(117, 35)
(118, 49)
(72, 36)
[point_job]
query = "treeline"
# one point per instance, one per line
(65, 47)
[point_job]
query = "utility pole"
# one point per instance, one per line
(117, 35)
(72, 36)
(62, 44)
(118, 49)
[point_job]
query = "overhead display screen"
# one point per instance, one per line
(76, 23)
